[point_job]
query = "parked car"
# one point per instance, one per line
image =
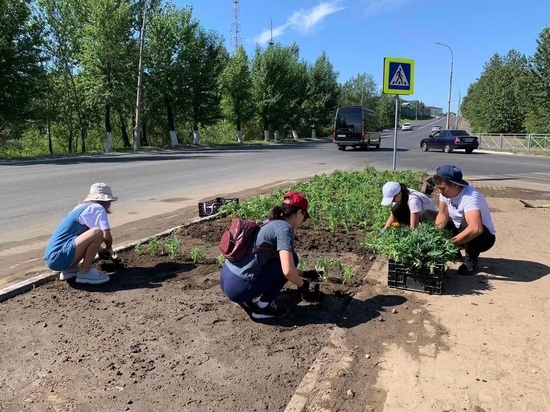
(406, 126)
(357, 127)
(436, 129)
(449, 140)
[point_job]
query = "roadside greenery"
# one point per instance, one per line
(68, 70)
(512, 94)
(345, 200)
(426, 246)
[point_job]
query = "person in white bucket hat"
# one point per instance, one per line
(80, 235)
(409, 206)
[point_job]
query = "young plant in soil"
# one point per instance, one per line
(173, 246)
(220, 260)
(155, 246)
(197, 255)
(423, 247)
(341, 200)
(137, 248)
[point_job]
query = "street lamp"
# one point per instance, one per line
(450, 84)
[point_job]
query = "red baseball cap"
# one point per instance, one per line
(297, 199)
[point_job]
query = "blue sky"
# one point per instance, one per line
(358, 34)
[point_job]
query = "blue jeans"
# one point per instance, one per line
(267, 285)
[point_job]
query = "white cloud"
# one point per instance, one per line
(302, 21)
(266, 35)
(380, 6)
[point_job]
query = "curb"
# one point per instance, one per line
(32, 283)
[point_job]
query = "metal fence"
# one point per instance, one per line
(527, 142)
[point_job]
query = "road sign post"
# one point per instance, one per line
(398, 80)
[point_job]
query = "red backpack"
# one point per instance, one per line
(235, 241)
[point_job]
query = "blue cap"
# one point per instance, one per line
(451, 173)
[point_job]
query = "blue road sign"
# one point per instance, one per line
(398, 76)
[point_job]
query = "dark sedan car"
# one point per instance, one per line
(449, 140)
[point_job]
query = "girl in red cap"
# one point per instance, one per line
(262, 275)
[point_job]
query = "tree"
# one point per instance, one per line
(21, 69)
(538, 119)
(275, 71)
(109, 59)
(64, 29)
(322, 93)
(360, 90)
(171, 32)
(496, 102)
(237, 95)
(205, 59)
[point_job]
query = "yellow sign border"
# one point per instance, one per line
(387, 80)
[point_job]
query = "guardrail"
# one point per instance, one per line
(527, 142)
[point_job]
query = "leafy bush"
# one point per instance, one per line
(424, 247)
(346, 200)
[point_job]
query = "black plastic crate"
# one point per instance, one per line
(420, 280)
(211, 207)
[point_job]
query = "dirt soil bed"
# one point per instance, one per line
(161, 336)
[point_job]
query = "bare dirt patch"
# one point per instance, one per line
(161, 335)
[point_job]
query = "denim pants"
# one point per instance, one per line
(266, 285)
(474, 247)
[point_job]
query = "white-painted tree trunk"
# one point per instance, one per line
(266, 135)
(294, 134)
(196, 137)
(313, 134)
(240, 136)
(276, 135)
(174, 138)
(109, 142)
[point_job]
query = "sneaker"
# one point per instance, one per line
(248, 307)
(93, 276)
(270, 311)
(69, 273)
(468, 267)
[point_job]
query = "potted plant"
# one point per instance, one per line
(417, 257)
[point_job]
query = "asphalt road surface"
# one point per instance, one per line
(36, 194)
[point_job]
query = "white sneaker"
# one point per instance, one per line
(93, 276)
(69, 273)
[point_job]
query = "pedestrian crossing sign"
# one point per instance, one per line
(398, 75)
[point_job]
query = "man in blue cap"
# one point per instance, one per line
(465, 213)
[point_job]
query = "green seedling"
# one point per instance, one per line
(154, 246)
(347, 275)
(173, 246)
(220, 259)
(302, 264)
(137, 248)
(197, 255)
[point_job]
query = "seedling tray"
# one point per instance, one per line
(401, 276)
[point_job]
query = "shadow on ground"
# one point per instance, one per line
(490, 270)
(342, 310)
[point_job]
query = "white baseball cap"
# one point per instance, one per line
(389, 190)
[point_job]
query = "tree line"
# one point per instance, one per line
(68, 81)
(512, 94)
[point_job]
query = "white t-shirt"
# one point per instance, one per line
(94, 215)
(467, 200)
(419, 202)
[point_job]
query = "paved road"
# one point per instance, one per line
(36, 194)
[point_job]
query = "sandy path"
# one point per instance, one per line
(495, 356)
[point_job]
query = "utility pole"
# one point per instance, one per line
(137, 127)
(450, 85)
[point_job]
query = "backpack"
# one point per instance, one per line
(235, 241)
